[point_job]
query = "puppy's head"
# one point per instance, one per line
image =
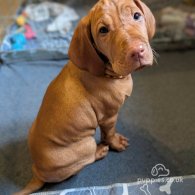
(117, 31)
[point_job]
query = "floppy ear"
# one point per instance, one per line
(82, 52)
(149, 18)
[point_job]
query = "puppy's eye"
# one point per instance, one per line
(137, 16)
(103, 30)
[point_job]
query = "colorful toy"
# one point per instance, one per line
(21, 20)
(18, 41)
(29, 33)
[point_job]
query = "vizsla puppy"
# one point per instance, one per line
(108, 44)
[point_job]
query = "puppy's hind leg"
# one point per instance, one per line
(34, 185)
(101, 151)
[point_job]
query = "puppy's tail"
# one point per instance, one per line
(34, 185)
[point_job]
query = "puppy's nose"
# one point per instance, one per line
(138, 52)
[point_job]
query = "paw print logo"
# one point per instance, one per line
(160, 170)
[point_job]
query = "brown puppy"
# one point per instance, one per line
(108, 44)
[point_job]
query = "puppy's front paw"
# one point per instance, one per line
(118, 142)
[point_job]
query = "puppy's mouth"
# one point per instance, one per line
(140, 67)
(126, 69)
(140, 64)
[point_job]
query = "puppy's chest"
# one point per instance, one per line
(109, 97)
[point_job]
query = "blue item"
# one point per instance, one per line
(18, 41)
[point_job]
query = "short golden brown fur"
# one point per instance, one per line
(88, 92)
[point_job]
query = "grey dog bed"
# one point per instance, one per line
(158, 119)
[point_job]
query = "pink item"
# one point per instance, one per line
(29, 33)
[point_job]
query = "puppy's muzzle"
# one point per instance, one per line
(138, 56)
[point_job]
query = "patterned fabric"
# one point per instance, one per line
(173, 186)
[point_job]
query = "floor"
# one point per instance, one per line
(158, 119)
